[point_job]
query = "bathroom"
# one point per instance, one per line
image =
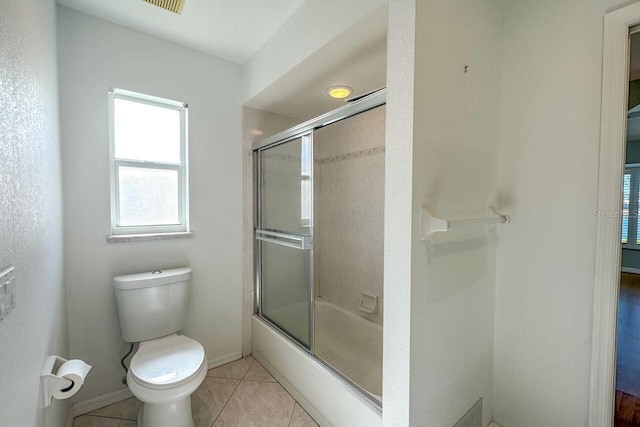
(467, 126)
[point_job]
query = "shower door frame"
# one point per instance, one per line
(258, 242)
(354, 107)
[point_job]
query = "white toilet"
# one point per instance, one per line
(167, 368)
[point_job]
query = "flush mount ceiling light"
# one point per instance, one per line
(339, 92)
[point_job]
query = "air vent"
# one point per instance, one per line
(174, 6)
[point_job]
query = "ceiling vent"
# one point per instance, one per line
(174, 6)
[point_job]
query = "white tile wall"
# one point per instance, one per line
(349, 208)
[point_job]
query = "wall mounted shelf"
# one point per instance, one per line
(432, 224)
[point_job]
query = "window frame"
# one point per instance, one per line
(633, 169)
(182, 168)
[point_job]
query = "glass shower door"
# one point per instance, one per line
(284, 236)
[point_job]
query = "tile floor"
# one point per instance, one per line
(240, 393)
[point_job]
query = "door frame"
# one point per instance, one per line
(613, 129)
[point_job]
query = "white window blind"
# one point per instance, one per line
(630, 237)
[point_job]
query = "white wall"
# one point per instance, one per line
(30, 211)
(315, 23)
(96, 55)
(455, 150)
(552, 62)
(396, 368)
(442, 146)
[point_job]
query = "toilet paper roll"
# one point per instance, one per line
(74, 370)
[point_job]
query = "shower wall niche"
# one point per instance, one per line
(349, 212)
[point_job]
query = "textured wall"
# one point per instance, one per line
(455, 165)
(95, 55)
(396, 373)
(548, 183)
(30, 210)
(349, 211)
(313, 24)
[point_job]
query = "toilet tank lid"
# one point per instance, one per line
(152, 278)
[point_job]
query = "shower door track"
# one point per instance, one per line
(363, 104)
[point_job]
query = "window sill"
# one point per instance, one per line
(123, 238)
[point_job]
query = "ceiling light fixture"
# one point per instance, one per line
(339, 92)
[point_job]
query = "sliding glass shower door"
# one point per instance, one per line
(284, 236)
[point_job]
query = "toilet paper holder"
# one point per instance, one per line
(56, 386)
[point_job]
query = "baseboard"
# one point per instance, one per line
(70, 417)
(219, 361)
(630, 270)
(99, 402)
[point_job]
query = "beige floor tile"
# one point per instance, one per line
(257, 404)
(127, 409)
(234, 370)
(257, 373)
(210, 398)
(91, 421)
(300, 418)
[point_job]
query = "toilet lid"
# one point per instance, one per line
(168, 361)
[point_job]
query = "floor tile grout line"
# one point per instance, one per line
(226, 378)
(226, 403)
(292, 411)
(249, 368)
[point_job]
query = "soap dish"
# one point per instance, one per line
(368, 303)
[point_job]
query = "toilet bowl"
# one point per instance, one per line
(163, 374)
(168, 367)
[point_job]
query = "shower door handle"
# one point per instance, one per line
(303, 242)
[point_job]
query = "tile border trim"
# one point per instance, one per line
(373, 151)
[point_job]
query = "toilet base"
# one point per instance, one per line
(174, 414)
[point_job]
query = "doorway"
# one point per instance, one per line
(614, 112)
(615, 88)
(627, 390)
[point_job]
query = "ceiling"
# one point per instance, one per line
(233, 30)
(356, 58)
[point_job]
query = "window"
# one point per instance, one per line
(631, 207)
(305, 184)
(148, 155)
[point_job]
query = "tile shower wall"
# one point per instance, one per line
(349, 210)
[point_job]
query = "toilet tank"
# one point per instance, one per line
(154, 304)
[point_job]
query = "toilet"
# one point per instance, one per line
(168, 367)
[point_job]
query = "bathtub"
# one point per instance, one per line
(328, 398)
(351, 344)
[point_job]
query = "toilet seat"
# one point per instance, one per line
(167, 362)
